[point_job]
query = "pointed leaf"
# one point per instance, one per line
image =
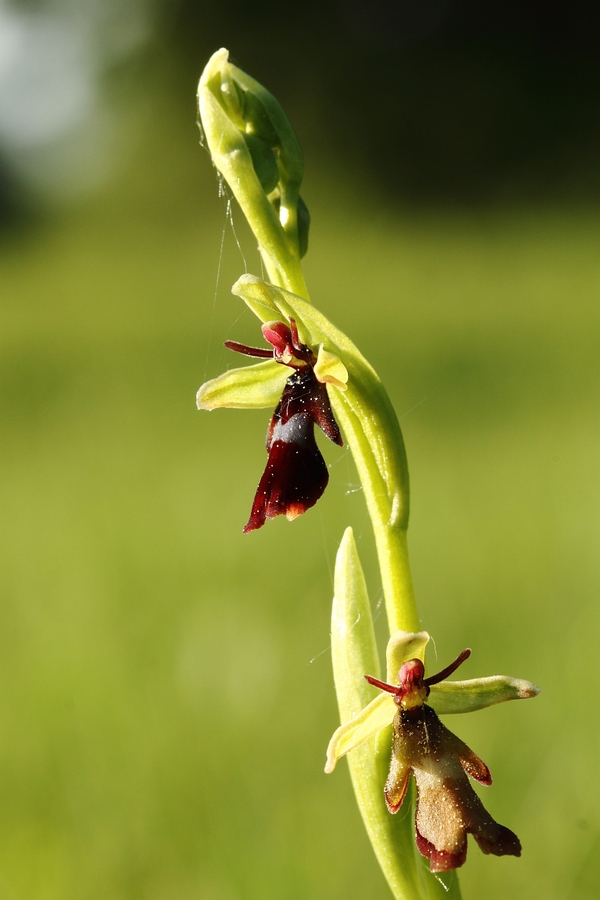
(353, 646)
(354, 653)
(368, 420)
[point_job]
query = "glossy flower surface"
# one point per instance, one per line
(448, 809)
(296, 474)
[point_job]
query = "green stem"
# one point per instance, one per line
(288, 277)
(280, 260)
(390, 535)
(397, 579)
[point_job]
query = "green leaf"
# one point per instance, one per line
(354, 652)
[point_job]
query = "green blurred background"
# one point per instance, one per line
(165, 682)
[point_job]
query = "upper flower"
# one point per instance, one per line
(448, 809)
(296, 475)
(357, 397)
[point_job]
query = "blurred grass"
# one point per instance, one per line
(165, 685)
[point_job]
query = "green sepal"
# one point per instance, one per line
(377, 714)
(446, 698)
(477, 693)
(402, 646)
(250, 387)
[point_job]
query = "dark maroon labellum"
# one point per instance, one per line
(296, 474)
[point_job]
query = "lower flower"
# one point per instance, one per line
(448, 809)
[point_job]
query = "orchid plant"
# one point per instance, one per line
(314, 375)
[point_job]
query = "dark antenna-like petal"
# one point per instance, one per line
(460, 659)
(258, 352)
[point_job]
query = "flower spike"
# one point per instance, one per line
(253, 146)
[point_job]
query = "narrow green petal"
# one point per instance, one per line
(330, 369)
(251, 387)
(477, 693)
(378, 714)
(402, 646)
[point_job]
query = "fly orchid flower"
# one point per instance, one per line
(448, 809)
(296, 474)
(343, 379)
